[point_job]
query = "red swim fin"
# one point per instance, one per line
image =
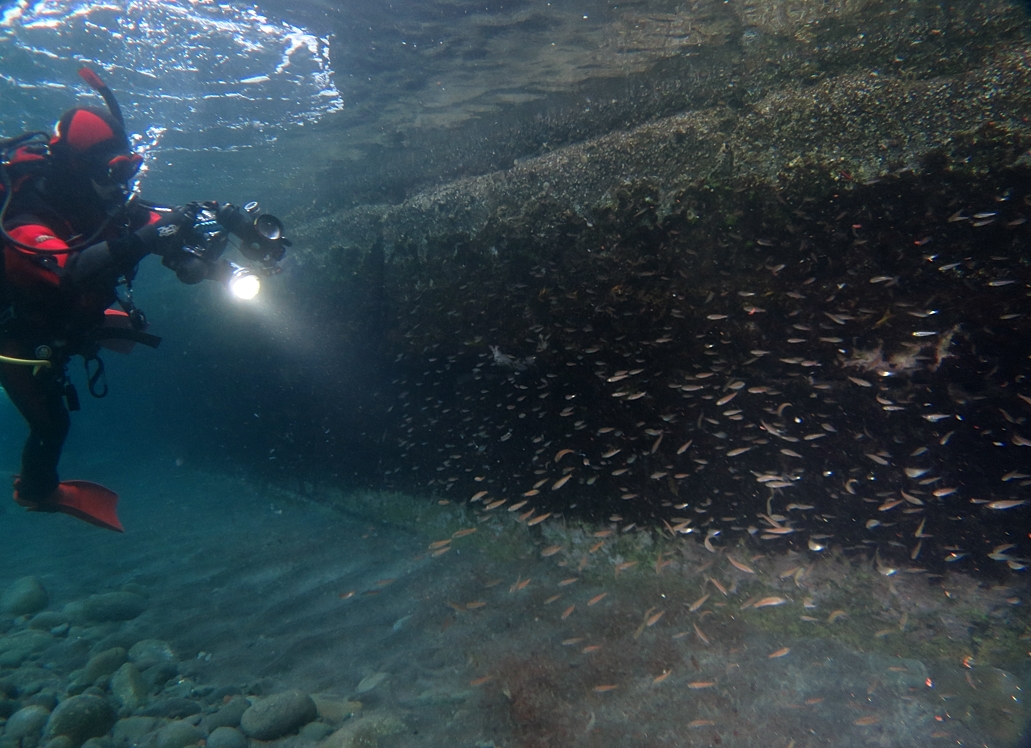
(90, 502)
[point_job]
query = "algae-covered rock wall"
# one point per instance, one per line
(772, 285)
(735, 93)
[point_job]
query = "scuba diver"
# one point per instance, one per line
(72, 235)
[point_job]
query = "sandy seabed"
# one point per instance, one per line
(544, 636)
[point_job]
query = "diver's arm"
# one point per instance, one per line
(102, 264)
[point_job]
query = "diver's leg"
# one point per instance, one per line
(39, 398)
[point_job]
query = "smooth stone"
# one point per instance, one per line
(46, 699)
(48, 620)
(61, 741)
(150, 652)
(313, 732)
(335, 708)
(30, 680)
(278, 715)
(363, 731)
(128, 687)
(228, 716)
(226, 737)
(158, 675)
(369, 682)
(17, 647)
(172, 708)
(178, 734)
(80, 718)
(8, 707)
(24, 728)
(104, 664)
(102, 742)
(113, 606)
(130, 729)
(24, 597)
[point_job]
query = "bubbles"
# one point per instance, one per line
(195, 76)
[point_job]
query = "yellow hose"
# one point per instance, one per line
(36, 363)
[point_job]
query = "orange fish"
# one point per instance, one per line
(561, 482)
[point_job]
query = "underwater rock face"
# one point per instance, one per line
(24, 597)
(80, 718)
(278, 715)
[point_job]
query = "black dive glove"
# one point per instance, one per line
(168, 234)
(165, 236)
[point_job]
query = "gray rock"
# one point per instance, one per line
(17, 647)
(104, 664)
(46, 699)
(178, 734)
(277, 715)
(128, 687)
(172, 708)
(159, 675)
(131, 729)
(48, 619)
(24, 728)
(61, 741)
(80, 718)
(29, 680)
(24, 597)
(150, 652)
(313, 732)
(102, 742)
(113, 606)
(226, 737)
(228, 716)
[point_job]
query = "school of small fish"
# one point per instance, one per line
(799, 404)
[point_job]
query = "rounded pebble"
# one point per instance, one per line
(226, 737)
(277, 715)
(113, 606)
(104, 664)
(80, 718)
(25, 727)
(149, 652)
(24, 597)
(178, 734)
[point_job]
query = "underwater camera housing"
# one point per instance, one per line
(262, 241)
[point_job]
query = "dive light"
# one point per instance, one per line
(261, 241)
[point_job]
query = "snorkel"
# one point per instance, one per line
(11, 145)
